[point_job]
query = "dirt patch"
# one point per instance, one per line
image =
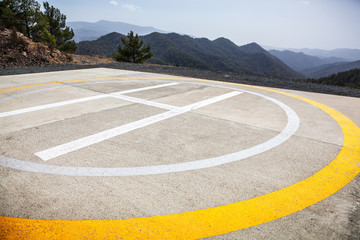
(16, 50)
(88, 60)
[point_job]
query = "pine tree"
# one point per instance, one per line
(132, 50)
(8, 17)
(57, 27)
(48, 38)
(20, 14)
(26, 17)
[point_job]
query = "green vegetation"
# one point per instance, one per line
(57, 27)
(48, 26)
(48, 38)
(132, 50)
(349, 78)
(20, 14)
(220, 55)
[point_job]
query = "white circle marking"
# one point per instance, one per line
(289, 130)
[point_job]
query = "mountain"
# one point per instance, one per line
(347, 54)
(103, 46)
(349, 78)
(329, 69)
(256, 50)
(300, 61)
(181, 50)
(85, 31)
(253, 48)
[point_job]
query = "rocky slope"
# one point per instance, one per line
(16, 50)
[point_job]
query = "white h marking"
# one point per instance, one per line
(51, 105)
(102, 136)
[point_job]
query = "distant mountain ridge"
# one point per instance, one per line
(346, 54)
(329, 69)
(253, 48)
(218, 55)
(85, 31)
(300, 61)
(314, 67)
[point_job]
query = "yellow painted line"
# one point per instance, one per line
(212, 221)
(82, 80)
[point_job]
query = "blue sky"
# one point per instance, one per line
(326, 24)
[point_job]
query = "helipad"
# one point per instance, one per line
(106, 153)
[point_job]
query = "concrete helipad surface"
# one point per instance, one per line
(112, 154)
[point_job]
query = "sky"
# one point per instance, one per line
(324, 24)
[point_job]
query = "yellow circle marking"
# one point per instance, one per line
(212, 221)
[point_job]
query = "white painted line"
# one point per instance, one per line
(145, 88)
(146, 102)
(51, 105)
(210, 101)
(293, 122)
(102, 136)
(79, 100)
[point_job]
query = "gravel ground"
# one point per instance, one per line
(196, 73)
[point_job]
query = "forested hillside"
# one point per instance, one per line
(180, 50)
(329, 69)
(349, 78)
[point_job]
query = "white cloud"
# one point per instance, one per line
(305, 2)
(113, 2)
(130, 7)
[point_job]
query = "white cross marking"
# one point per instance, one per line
(102, 136)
